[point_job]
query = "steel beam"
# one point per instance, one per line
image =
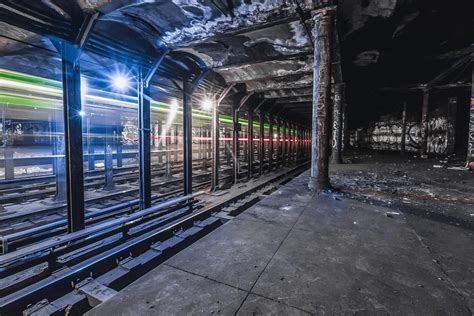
(90, 145)
(319, 178)
(108, 155)
(235, 144)
(215, 147)
(59, 162)
(261, 152)
(278, 144)
(215, 144)
(71, 77)
(187, 138)
(160, 141)
(285, 143)
(270, 142)
(144, 154)
(250, 142)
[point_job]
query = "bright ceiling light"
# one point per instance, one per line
(206, 104)
(120, 82)
(82, 113)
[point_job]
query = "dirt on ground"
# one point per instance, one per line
(439, 188)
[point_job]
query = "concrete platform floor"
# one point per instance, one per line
(296, 253)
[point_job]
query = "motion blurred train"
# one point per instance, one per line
(31, 113)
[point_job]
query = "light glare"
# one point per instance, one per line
(206, 104)
(120, 82)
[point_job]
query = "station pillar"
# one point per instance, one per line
(319, 178)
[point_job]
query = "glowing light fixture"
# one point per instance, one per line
(82, 113)
(120, 82)
(207, 104)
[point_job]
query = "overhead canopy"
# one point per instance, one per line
(264, 46)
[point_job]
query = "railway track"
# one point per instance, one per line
(163, 188)
(19, 192)
(91, 265)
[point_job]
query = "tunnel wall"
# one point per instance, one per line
(386, 132)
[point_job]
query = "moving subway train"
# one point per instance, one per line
(31, 126)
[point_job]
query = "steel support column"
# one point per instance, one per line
(71, 77)
(59, 162)
(90, 145)
(215, 147)
(278, 144)
(270, 143)
(337, 124)
(108, 155)
(250, 143)
(187, 138)
(144, 154)
(288, 142)
(319, 178)
(424, 123)
(160, 141)
(235, 144)
(285, 143)
(261, 152)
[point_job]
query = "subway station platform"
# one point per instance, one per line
(298, 253)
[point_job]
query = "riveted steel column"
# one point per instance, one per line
(424, 123)
(319, 179)
(215, 147)
(144, 154)
(187, 138)
(261, 152)
(235, 144)
(337, 124)
(71, 76)
(250, 143)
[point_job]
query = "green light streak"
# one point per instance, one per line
(28, 100)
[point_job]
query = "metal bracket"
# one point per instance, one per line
(151, 71)
(244, 99)
(224, 93)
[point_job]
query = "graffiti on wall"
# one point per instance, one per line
(386, 134)
(470, 148)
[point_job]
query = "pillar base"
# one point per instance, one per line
(336, 160)
(316, 184)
